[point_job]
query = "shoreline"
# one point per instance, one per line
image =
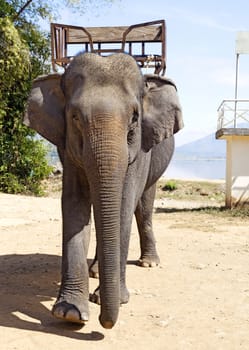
(185, 179)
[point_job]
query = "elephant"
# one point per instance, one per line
(114, 130)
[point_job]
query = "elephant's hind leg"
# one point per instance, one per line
(94, 268)
(143, 213)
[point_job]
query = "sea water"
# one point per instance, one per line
(180, 168)
(213, 169)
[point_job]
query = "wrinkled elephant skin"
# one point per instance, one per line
(113, 128)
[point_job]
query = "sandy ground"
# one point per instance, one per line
(198, 298)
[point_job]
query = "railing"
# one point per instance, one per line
(233, 114)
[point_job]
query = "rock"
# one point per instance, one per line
(163, 323)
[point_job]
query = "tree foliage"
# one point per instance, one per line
(34, 10)
(25, 54)
(22, 157)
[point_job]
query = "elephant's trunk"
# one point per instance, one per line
(110, 160)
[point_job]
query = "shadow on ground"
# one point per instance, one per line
(207, 209)
(28, 281)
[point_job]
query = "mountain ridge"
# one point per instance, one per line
(206, 147)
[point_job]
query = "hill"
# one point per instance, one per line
(204, 148)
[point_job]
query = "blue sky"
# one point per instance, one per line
(200, 50)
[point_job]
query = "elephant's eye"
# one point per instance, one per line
(134, 120)
(75, 117)
(132, 127)
(135, 117)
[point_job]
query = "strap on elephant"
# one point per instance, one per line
(138, 40)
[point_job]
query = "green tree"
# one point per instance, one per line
(23, 161)
(24, 54)
(34, 10)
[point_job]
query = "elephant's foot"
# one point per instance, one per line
(149, 260)
(69, 312)
(94, 269)
(95, 297)
(124, 297)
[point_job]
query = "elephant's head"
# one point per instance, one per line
(103, 113)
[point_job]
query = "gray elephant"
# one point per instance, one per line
(113, 129)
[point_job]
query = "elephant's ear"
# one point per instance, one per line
(45, 109)
(162, 115)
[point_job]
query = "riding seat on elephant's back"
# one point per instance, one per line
(144, 41)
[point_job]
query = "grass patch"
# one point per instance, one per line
(191, 190)
(170, 186)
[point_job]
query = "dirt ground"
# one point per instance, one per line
(198, 298)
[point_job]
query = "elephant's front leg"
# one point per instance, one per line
(126, 222)
(128, 204)
(72, 301)
(143, 213)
